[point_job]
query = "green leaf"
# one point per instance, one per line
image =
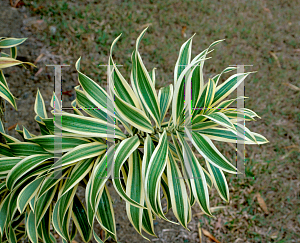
(184, 58)
(7, 163)
(31, 227)
(88, 126)
(209, 151)
(27, 193)
(133, 116)
(39, 106)
(79, 153)
(226, 88)
(6, 62)
(178, 193)
(80, 219)
(219, 181)
(165, 98)
(7, 95)
(11, 42)
(23, 167)
(135, 190)
(196, 176)
(51, 142)
(26, 149)
(105, 214)
(125, 149)
(154, 172)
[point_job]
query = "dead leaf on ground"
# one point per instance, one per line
(210, 236)
(12, 127)
(38, 72)
(261, 203)
(276, 58)
(39, 58)
(200, 234)
(291, 86)
(183, 34)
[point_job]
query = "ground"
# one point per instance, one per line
(264, 207)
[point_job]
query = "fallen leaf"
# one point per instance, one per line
(293, 87)
(210, 236)
(274, 235)
(183, 34)
(12, 127)
(276, 58)
(38, 72)
(261, 203)
(200, 234)
(39, 58)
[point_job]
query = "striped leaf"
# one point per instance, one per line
(226, 70)
(11, 42)
(6, 62)
(184, 59)
(26, 149)
(99, 176)
(79, 217)
(226, 88)
(79, 153)
(44, 203)
(221, 119)
(27, 193)
(7, 163)
(178, 193)
(133, 116)
(154, 172)
(120, 85)
(209, 96)
(124, 150)
(50, 143)
(105, 214)
(7, 95)
(196, 176)
(219, 180)
(135, 190)
(209, 151)
(24, 166)
(79, 171)
(89, 126)
(31, 227)
(165, 97)
(85, 104)
(93, 91)
(144, 84)
(39, 106)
